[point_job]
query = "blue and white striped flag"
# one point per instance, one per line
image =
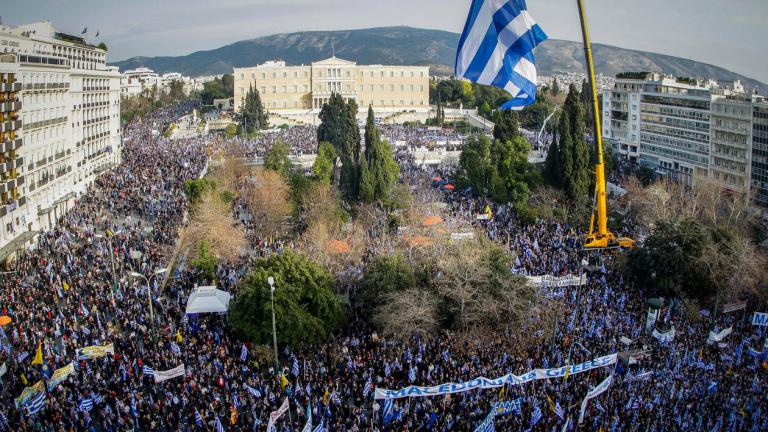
(85, 330)
(218, 425)
(36, 404)
(496, 48)
(98, 399)
(559, 411)
(20, 357)
(198, 418)
(148, 370)
(319, 427)
(243, 353)
(411, 374)
(85, 404)
(487, 424)
(387, 408)
(175, 348)
(295, 369)
(368, 387)
(387, 369)
(84, 310)
(255, 393)
(536, 416)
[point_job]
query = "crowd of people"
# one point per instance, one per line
(301, 139)
(75, 290)
(422, 136)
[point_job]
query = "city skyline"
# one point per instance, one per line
(145, 28)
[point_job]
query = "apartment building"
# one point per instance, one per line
(730, 162)
(295, 88)
(69, 125)
(760, 151)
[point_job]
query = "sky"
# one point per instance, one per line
(727, 33)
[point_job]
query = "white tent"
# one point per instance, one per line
(208, 299)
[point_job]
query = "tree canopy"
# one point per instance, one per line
(306, 307)
(338, 126)
(378, 169)
(253, 117)
(278, 158)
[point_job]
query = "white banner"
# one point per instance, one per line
(603, 386)
(3, 369)
(486, 383)
(274, 415)
(760, 319)
(161, 376)
(557, 281)
(664, 337)
(717, 337)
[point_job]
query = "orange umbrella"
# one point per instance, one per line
(431, 220)
(436, 179)
(449, 186)
(417, 241)
(337, 247)
(5, 320)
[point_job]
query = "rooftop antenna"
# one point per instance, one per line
(333, 47)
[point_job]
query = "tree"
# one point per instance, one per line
(572, 169)
(219, 88)
(306, 306)
(476, 164)
(506, 127)
(555, 87)
(485, 110)
(253, 117)
(378, 169)
(194, 189)
(268, 200)
(212, 221)
(205, 263)
(323, 168)
(421, 307)
(338, 125)
(278, 158)
(231, 130)
(385, 275)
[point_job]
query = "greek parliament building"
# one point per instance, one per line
(59, 127)
(296, 88)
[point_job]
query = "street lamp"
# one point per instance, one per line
(112, 262)
(149, 296)
(271, 282)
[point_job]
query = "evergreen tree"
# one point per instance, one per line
(278, 158)
(582, 165)
(555, 87)
(552, 167)
(378, 169)
(323, 168)
(253, 117)
(338, 126)
(506, 128)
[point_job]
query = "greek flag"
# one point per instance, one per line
(295, 369)
(175, 348)
(487, 424)
(536, 416)
(148, 370)
(319, 427)
(85, 404)
(20, 357)
(387, 408)
(219, 427)
(387, 369)
(36, 404)
(496, 48)
(98, 399)
(368, 387)
(411, 375)
(84, 310)
(198, 418)
(243, 353)
(85, 331)
(255, 393)
(559, 411)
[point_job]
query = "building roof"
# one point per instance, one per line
(333, 61)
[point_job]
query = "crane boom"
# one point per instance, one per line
(600, 237)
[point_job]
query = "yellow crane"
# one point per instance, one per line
(599, 237)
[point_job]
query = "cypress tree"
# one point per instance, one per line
(378, 169)
(507, 127)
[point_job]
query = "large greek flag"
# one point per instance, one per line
(496, 48)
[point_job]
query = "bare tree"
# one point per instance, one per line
(267, 197)
(212, 221)
(407, 313)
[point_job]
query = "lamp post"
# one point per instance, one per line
(149, 296)
(112, 262)
(271, 282)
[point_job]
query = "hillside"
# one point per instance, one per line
(413, 46)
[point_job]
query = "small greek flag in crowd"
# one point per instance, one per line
(536, 416)
(255, 393)
(446, 356)
(85, 404)
(559, 411)
(295, 369)
(368, 387)
(36, 404)
(319, 427)
(387, 369)
(148, 370)
(496, 48)
(243, 353)
(175, 348)
(98, 399)
(487, 424)
(411, 375)
(218, 425)
(85, 331)
(198, 418)
(84, 310)
(20, 357)
(387, 408)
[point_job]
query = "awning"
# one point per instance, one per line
(17, 244)
(208, 299)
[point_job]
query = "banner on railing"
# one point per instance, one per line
(486, 383)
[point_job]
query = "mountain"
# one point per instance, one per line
(414, 46)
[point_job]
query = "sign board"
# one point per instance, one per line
(462, 236)
(760, 319)
(732, 307)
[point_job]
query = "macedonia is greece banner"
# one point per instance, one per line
(556, 281)
(96, 351)
(486, 383)
(60, 375)
(28, 393)
(507, 407)
(603, 386)
(161, 376)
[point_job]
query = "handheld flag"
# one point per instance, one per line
(38, 360)
(283, 381)
(496, 48)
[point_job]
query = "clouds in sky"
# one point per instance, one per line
(730, 34)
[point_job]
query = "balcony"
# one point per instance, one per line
(10, 87)
(10, 145)
(10, 125)
(10, 106)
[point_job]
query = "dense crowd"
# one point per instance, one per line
(422, 136)
(301, 139)
(60, 296)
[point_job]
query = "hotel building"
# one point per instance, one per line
(295, 88)
(61, 126)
